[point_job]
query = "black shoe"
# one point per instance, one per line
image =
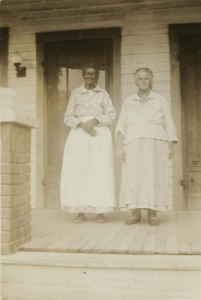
(152, 217)
(132, 221)
(153, 222)
(134, 218)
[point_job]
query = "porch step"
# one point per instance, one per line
(79, 276)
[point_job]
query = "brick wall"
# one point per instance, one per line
(15, 186)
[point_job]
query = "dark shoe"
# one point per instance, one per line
(153, 222)
(134, 218)
(80, 218)
(101, 218)
(152, 217)
(132, 221)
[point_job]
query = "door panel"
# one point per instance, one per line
(190, 50)
(63, 68)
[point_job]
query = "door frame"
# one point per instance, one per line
(4, 34)
(179, 160)
(62, 36)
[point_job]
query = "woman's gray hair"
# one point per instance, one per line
(147, 70)
(90, 66)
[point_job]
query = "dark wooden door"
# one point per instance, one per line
(63, 70)
(190, 51)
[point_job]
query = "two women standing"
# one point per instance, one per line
(145, 137)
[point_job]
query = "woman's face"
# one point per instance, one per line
(143, 81)
(90, 77)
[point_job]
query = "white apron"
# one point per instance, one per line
(87, 178)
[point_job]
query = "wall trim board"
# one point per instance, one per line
(57, 36)
(183, 29)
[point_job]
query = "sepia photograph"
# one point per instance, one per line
(100, 149)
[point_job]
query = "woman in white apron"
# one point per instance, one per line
(87, 178)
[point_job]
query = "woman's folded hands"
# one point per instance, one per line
(88, 126)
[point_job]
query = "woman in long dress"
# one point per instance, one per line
(145, 138)
(87, 178)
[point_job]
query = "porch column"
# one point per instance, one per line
(15, 174)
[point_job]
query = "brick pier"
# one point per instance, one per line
(15, 179)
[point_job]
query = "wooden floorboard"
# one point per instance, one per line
(42, 215)
(138, 242)
(182, 237)
(178, 232)
(110, 232)
(88, 237)
(161, 234)
(192, 232)
(171, 241)
(52, 229)
(196, 215)
(114, 244)
(150, 241)
(128, 239)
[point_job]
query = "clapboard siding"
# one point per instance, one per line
(30, 47)
(145, 58)
(26, 99)
(150, 48)
(22, 39)
(139, 39)
(155, 67)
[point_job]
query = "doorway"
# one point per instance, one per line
(63, 69)
(60, 57)
(190, 76)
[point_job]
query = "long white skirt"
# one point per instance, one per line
(87, 178)
(145, 176)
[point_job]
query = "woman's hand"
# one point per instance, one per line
(88, 127)
(171, 150)
(120, 154)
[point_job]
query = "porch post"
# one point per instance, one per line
(15, 174)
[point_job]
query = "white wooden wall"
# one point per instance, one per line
(145, 43)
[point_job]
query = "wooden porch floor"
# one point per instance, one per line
(179, 232)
